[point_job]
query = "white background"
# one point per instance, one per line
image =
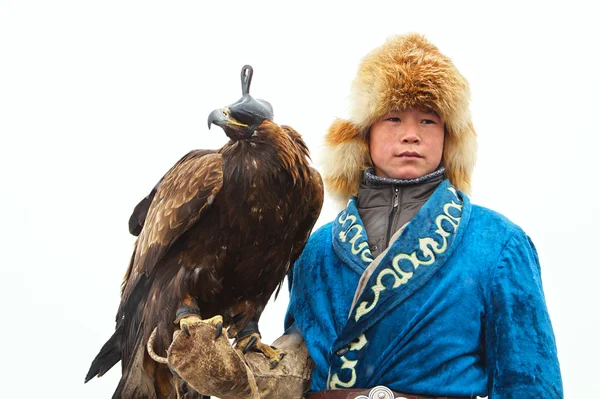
(98, 99)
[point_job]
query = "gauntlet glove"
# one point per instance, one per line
(213, 367)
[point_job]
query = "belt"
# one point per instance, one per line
(379, 392)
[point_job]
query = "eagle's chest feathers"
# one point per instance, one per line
(260, 184)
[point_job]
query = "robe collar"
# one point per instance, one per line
(421, 249)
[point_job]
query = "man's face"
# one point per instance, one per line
(407, 144)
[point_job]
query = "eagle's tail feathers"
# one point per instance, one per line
(108, 356)
(135, 382)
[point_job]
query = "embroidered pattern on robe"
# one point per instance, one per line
(421, 249)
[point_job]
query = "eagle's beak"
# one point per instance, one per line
(222, 117)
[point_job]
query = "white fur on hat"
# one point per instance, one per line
(406, 72)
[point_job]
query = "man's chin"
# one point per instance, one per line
(406, 174)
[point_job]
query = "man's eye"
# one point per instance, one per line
(393, 119)
(427, 121)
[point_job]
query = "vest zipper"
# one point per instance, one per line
(392, 214)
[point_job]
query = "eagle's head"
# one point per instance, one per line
(240, 119)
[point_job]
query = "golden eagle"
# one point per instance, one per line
(217, 235)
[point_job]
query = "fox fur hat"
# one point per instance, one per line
(405, 72)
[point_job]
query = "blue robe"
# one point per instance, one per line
(454, 307)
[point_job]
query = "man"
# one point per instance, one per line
(412, 287)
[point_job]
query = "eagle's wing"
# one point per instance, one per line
(138, 216)
(183, 196)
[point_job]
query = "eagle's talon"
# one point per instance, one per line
(253, 343)
(278, 357)
(219, 330)
(250, 344)
(185, 321)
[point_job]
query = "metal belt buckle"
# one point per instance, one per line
(380, 392)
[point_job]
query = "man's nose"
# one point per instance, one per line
(410, 135)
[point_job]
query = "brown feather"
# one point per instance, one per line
(184, 194)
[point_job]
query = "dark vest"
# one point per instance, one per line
(385, 208)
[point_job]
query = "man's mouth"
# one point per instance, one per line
(410, 154)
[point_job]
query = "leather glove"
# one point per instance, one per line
(213, 367)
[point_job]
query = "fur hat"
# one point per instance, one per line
(406, 72)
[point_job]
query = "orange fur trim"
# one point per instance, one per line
(341, 131)
(347, 155)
